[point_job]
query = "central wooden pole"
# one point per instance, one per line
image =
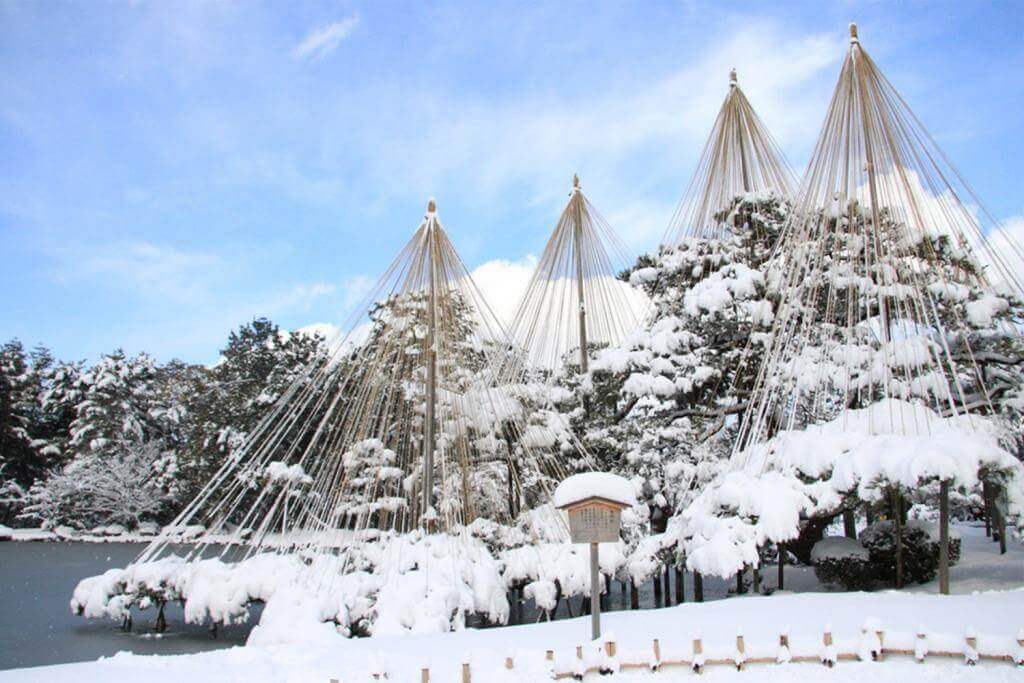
(577, 210)
(428, 432)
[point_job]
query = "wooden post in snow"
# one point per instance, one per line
(944, 537)
(595, 594)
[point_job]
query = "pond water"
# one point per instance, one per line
(37, 626)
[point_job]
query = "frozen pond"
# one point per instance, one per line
(37, 626)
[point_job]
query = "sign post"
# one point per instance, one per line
(594, 502)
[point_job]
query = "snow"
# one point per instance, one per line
(594, 485)
(838, 548)
(854, 620)
(398, 583)
(981, 311)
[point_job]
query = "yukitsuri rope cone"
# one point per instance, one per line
(574, 300)
(739, 158)
(891, 370)
(881, 254)
(400, 434)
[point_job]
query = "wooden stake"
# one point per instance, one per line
(657, 654)
(698, 649)
(424, 675)
(595, 594)
(922, 649)
(609, 648)
(741, 648)
(971, 655)
(549, 655)
(509, 664)
(465, 673)
(826, 640)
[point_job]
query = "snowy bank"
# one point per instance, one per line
(853, 619)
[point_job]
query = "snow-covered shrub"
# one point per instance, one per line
(920, 551)
(842, 561)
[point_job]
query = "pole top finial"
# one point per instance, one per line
(732, 78)
(431, 206)
(853, 32)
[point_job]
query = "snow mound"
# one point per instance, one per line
(594, 485)
(838, 548)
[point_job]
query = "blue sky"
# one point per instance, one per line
(169, 170)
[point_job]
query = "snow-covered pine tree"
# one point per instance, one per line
(223, 402)
(117, 414)
(30, 436)
(869, 388)
(664, 404)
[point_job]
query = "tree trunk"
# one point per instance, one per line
(986, 507)
(680, 586)
(739, 581)
(944, 538)
(161, 620)
(1000, 518)
(869, 514)
(668, 587)
(782, 563)
(698, 587)
(657, 589)
(634, 595)
(757, 579)
(849, 524)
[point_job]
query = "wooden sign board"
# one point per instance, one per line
(594, 521)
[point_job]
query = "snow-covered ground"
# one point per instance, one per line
(988, 600)
(994, 616)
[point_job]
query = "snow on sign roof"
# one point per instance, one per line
(580, 487)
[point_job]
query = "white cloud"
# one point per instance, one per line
(325, 39)
(300, 296)
(502, 284)
(140, 267)
(544, 139)
(1004, 251)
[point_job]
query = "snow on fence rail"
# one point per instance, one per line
(873, 643)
